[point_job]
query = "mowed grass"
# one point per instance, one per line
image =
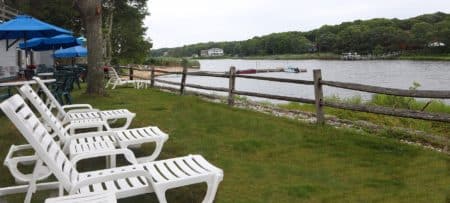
(271, 159)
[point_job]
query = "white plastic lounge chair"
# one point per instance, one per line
(114, 80)
(81, 144)
(126, 181)
(83, 115)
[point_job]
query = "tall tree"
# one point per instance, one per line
(110, 8)
(91, 14)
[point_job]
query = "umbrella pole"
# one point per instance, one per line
(26, 51)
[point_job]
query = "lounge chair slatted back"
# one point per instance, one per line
(113, 75)
(52, 121)
(37, 135)
(51, 102)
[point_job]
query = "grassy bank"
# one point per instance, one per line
(436, 106)
(439, 57)
(271, 159)
(171, 61)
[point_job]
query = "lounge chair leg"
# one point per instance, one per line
(154, 155)
(108, 162)
(32, 185)
(127, 124)
(212, 184)
(107, 83)
(161, 195)
(112, 159)
(60, 190)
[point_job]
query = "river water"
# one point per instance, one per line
(431, 75)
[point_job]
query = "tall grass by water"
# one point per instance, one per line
(435, 106)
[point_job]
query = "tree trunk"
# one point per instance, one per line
(91, 14)
(109, 25)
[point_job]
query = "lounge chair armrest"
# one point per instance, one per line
(82, 110)
(77, 106)
(126, 152)
(111, 177)
(15, 148)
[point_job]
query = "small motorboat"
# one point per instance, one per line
(294, 70)
(247, 71)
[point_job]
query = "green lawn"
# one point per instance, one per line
(271, 159)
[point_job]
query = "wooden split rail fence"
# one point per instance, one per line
(318, 82)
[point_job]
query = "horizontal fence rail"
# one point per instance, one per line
(406, 113)
(318, 84)
(219, 89)
(277, 97)
(284, 80)
(389, 91)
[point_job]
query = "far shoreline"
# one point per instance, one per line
(328, 56)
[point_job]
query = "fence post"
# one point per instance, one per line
(231, 86)
(130, 73)
(183, 76)
(318, 92)
(152, 77)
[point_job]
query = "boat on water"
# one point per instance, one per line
(286, 70)
(247, 71)
(294, 70)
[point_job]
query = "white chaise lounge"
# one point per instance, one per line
(85, 143)
(83, 115)
(126, 181)
(115, 80)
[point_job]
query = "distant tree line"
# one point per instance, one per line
(375, 36)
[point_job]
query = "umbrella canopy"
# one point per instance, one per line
(33, 42)
(76, 51)
(81, 40)
(56, 42)
(27, 27)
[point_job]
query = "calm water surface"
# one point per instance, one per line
(393, 73)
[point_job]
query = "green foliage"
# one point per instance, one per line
(128, 42)
(369, 36)
(378, 50)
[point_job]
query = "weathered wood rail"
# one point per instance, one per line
(317, 84)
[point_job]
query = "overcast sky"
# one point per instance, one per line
(180, 22)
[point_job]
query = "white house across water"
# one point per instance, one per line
(212, 52)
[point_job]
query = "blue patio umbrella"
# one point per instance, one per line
(53, 43)
(72, 52)
(33, 42)
(27, 27)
